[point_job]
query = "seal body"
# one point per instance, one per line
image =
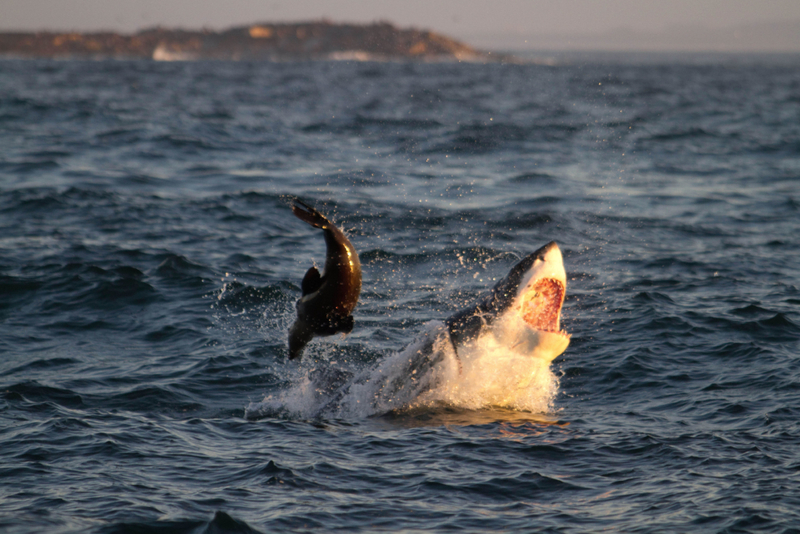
(328, 299)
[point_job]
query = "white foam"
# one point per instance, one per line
(496, 375)
(426, 373)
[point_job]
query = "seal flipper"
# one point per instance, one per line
(345, 325)
(312, 281)
(335, 325)
(306, 213)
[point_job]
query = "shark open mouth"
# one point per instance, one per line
(541, 305)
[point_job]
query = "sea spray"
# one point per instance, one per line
(486, 373)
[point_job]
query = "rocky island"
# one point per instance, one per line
(275, 42)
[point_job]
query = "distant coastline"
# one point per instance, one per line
(319, 40)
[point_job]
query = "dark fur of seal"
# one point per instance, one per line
(329, 298)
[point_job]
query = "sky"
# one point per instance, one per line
(761, 25)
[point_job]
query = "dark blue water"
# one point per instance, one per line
(149, 264)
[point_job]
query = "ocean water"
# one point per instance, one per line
(149, 265)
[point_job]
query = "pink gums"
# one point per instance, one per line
(541, 304)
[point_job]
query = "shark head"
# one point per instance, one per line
(531, 322)
(523, 311)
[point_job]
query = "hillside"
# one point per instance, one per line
(312, 40)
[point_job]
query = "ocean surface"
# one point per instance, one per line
(150, 262)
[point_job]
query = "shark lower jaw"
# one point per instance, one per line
(541, 306)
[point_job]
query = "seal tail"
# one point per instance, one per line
(306, 213)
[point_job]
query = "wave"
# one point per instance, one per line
(480, 138)
(221, 523)
(361, 124)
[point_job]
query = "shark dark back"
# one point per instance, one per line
(326, 305)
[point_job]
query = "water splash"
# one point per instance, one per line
(427, 373)
(494, 375)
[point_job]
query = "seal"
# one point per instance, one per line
(326, 305)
